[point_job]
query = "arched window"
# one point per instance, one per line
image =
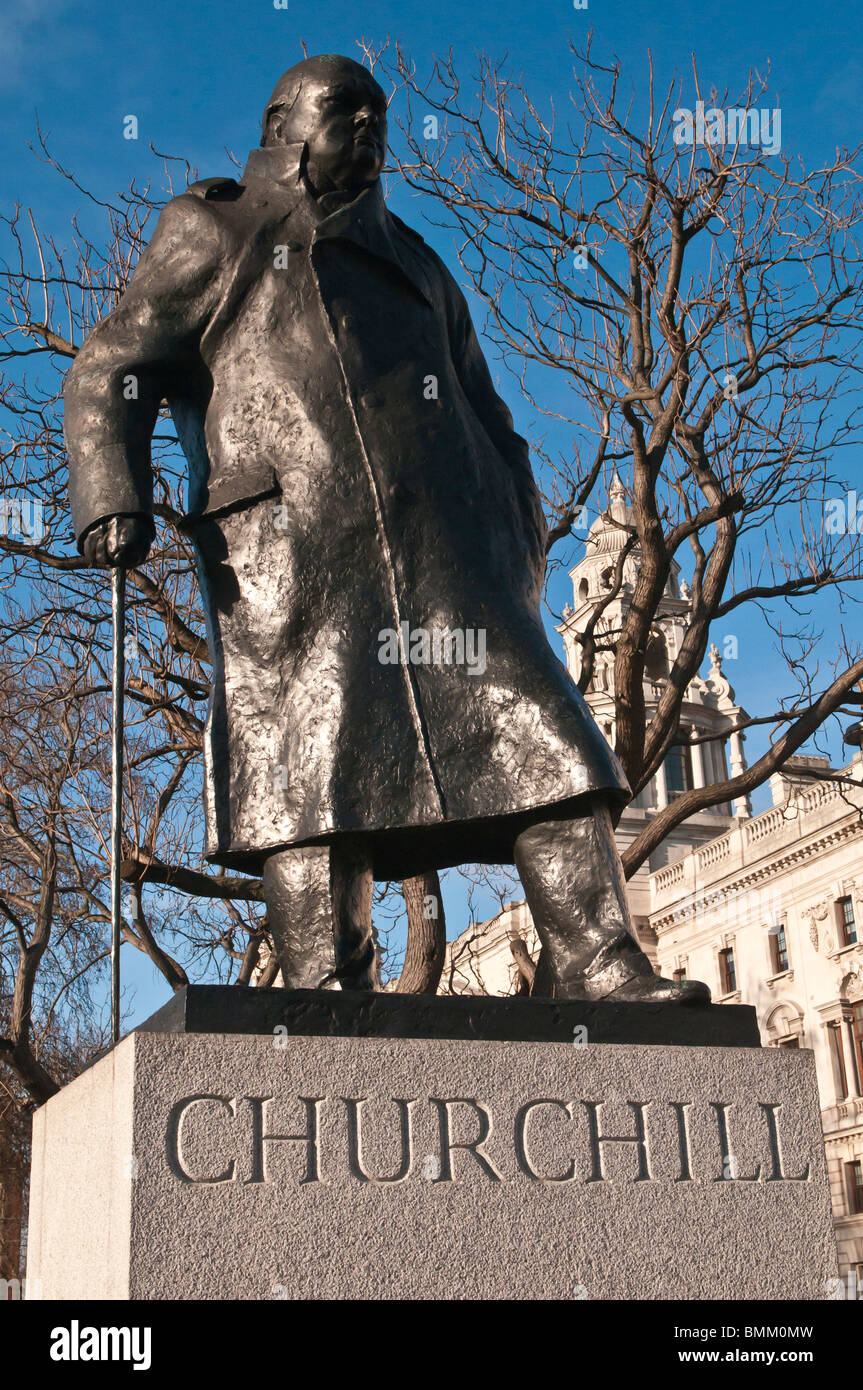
(656, 659)
(784, 1024)
(583, 591)
(678, 766)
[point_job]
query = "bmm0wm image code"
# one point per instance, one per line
(765, 1357)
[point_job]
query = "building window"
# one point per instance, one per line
(678, 769)
(679, 974)
(846, 923)
(727, 971)
(789, 1042)
(656, 658)
(854, 1173)
(778, 950)
(835, 1031)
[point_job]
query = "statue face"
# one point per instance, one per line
(343, 119)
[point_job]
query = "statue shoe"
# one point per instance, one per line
(655, 989)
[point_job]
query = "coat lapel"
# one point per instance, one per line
(365, 221)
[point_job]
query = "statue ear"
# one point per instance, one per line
(271, 126)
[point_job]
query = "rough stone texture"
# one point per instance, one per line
(456, 1224)
(338, 1013)
(81, 1194)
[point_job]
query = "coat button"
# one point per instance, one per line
(370, 400)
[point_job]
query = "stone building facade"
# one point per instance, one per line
(771, 914)
(767, 909)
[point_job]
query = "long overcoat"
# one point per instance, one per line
(369, 533)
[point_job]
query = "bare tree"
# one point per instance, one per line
(14, 1167)
(693, 312)
(426, 935)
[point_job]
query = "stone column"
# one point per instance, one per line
(700, 775)
(661, 788)
(742, 805)
(850, 1051)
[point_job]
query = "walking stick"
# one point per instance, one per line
(118, 614)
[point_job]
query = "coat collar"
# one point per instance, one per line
(365, 220)
(276, 164)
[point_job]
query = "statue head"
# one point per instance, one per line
(337, 109)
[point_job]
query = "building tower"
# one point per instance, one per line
(709, 711)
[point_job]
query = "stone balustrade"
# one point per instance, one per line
(750, 840)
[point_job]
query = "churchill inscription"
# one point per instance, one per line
(392, 1167)
(242, 1128)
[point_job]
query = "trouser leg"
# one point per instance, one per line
(357, 965)
(319, 911)
(574, 885)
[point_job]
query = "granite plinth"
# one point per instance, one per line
(195, 1165)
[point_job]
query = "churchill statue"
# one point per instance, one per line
(370, 545)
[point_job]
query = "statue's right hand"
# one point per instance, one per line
(122, 541)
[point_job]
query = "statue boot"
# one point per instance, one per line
(573, 881)
(319, 911)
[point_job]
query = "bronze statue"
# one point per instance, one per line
(371, 550)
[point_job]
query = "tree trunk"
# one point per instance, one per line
(526, 966)
(424, 955)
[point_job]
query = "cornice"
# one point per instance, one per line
(768, 869)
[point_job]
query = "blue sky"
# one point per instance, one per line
(197, 75)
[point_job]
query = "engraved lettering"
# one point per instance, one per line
(521, 1149)
(597, 1139)
(777, 1175)
(355, 1141)
(174, 1138)
(680, 1108)
(202, 1150)
(729, 1161)
(447, 1143)
(260, 1139)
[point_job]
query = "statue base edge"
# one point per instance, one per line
(229, 1009)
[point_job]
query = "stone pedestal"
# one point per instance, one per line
(291, 1163)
